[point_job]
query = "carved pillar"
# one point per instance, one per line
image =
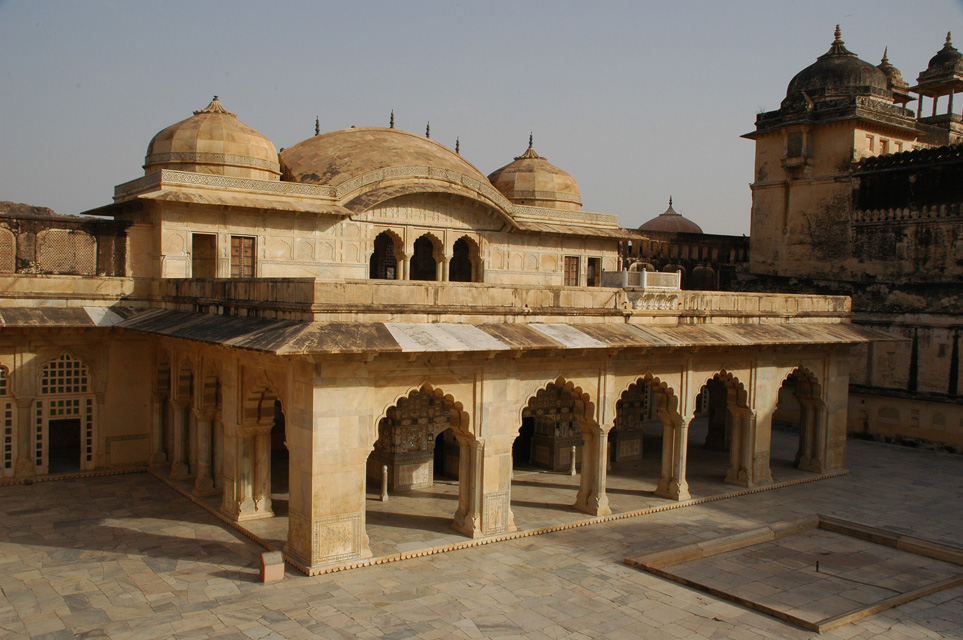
(179, 464)
(445, 267)
(820, 422)
(468, 518)
(192, 444)
(591, 496)
(252, 479)
(204, 484)
(217, 459)
(403, 267)
(99, 457)
(741, 448)
(440, 268)
(673, 484)
(25, 430)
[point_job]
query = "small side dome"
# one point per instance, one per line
(894, 80)
(838, 72)
(213, 141)
(670, 220)
(945, 68)
(532, 180)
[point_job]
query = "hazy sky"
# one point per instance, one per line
(637, 100)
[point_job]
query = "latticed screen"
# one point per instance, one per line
(63, 375)
(571, 271)
(3, 381)
(8, 252)
(6, 416)
(242, 257)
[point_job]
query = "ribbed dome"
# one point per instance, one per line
(894, 79)
(338, 156)
(838, 72)
(532, 180)
(213, 141)
(670, 220)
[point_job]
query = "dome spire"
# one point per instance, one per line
(317, 125)
(885, 59)
(838, 48)
(531, 137)
(215, 107)
(428, 130)
(391, 121)
(458, 146)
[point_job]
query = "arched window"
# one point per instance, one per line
(384, 263)
(460, 268)
(423, 263)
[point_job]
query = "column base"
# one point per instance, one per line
(674, 491)
(205, 487)
(594, 507)
(467, 526)
(180, 471)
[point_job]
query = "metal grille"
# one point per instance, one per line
(3, 381)
(63, 375)
(67, 251)
(89, 430)
(8, 252)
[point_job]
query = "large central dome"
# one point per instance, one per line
(338, 156)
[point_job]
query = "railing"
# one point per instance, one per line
(642, 279)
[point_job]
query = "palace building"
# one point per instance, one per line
(367, 299)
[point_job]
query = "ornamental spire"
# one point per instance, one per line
(317, 125)
(428, 130)
(391, 121)
(458, 146)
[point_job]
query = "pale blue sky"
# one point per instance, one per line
(637, 100)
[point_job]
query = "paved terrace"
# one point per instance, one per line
(128, 557)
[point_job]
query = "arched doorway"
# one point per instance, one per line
(461, 268)
(424, 266)
(798, 424)
(720, 436)
(550, 418)
(383, 264)
(420, 452)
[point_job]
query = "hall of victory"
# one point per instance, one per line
(367, 305)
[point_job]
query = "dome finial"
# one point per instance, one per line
(949, 43)
(885, 59)
(838, 36)
(458, 146)
(670, 201)
(530, 139)
(317, 125)
(214, 107)
(428, 130)
(391, 121)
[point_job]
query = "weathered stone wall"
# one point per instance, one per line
(35, 240)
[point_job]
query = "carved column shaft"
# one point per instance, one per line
(591, 496)
(158, 435)
(25, 430)
(468, 518)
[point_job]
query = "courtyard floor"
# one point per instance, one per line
(128, 557)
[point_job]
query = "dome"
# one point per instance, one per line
(671, 221)
(838, 72)
(949, 59)
(213, 141)
(945, 69)
(894, 79)
(531, 180)
(336, 157)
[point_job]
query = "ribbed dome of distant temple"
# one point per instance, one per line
(532, 180)
(670, 220)
(213, 141)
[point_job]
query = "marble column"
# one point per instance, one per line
(158, 432)
(673, 484)
(468, 517)
(204, 484)
(591, 497)
(179, 464)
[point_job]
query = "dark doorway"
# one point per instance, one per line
(63, 446)
(280, 457)
(522, 447)
(423, 265)
(203, 255)
(460, 267)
